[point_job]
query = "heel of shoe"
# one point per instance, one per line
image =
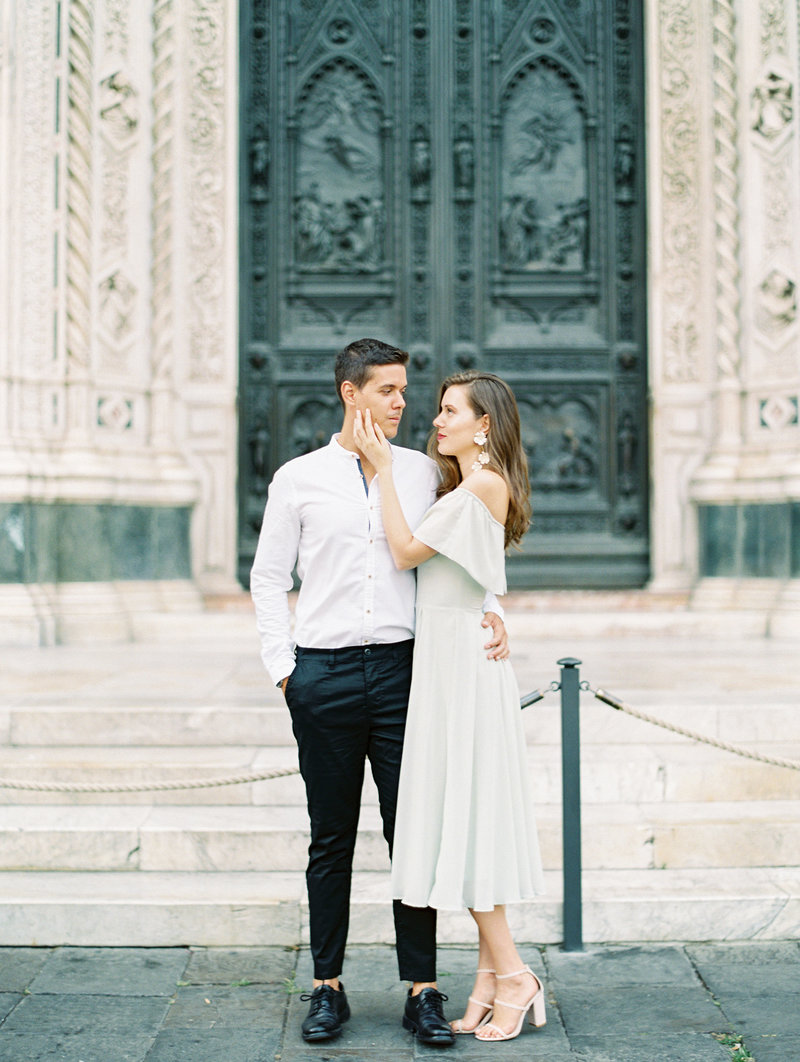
(409, 1024)
(536, 1015)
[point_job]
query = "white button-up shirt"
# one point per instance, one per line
(320, 517)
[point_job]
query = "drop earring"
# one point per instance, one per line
(479, 438)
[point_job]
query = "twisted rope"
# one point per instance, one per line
(737, 750)
(285, 772)
(726, 188)
(163, 150)
(147, 787)
(79, 185)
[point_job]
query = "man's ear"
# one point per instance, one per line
(348, 393)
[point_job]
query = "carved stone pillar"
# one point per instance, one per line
(681, 286)
(117, 328)
(206, 294)
(747, 491)
(725, 370)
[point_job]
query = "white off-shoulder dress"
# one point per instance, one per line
(465, 834)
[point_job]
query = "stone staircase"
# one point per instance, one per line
(681, 841)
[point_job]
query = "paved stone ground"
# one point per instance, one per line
(621, 1003)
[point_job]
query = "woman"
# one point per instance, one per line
(465, 834)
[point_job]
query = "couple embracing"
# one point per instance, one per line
(400, 557)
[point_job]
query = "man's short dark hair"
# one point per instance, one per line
(356, 362)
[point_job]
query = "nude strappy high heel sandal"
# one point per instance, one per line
(534, 1008)
(458, 1025)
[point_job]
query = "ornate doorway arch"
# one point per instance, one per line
(463, 178)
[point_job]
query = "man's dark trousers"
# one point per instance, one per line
(348, 705)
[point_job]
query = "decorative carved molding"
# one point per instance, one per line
(115, 196)
(206, 183)
(339, 212)
(163, 161)
(681, 218)
(778, 207)
(726, 189)
(30, 203)
(117, 26)
(544, 214)
(774, 34)
(79, 185)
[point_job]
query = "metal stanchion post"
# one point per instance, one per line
(571, 800)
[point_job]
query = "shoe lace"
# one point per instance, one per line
(434, 999)
(317, 999)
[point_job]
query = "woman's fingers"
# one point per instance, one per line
(365, 431)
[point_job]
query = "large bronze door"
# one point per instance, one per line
(462, 178)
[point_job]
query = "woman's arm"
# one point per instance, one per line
(407, 551)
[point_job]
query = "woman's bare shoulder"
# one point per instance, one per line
(492, 490)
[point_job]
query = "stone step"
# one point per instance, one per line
(145, 725)
(270, 725)
(683, 771)
(107, 909)
(618, 836)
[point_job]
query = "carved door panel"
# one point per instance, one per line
(462, 178)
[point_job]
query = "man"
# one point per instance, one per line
(346, 681)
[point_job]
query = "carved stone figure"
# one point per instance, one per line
(119, 106)
(464, 161)
(777, 301)
(567, 238)
(520, 233)
(772, 103)
(420, 166)
(259, 165)
(259, 452)
(624, 164)
(576, 466)
(117, 302)
(313, 422)
(545, 136)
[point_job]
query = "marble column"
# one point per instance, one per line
(118, 334)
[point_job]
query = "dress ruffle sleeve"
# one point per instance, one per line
(460, 527)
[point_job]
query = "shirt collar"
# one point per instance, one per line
(351, 455)
(337, 448)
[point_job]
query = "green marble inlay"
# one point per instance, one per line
(750, 541)
(61, 542)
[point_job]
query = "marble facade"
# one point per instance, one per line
(118, 320)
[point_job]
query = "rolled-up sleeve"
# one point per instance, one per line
(271, 576)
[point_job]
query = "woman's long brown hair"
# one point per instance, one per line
(488, 394)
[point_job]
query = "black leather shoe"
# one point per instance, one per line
(425, 1018)
(325, 1015)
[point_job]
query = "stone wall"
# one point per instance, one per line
(724, 251)
(118, 311)
(118, 342)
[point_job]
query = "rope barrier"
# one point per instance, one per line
(284, 772)
(737, 750)
(147, 787)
